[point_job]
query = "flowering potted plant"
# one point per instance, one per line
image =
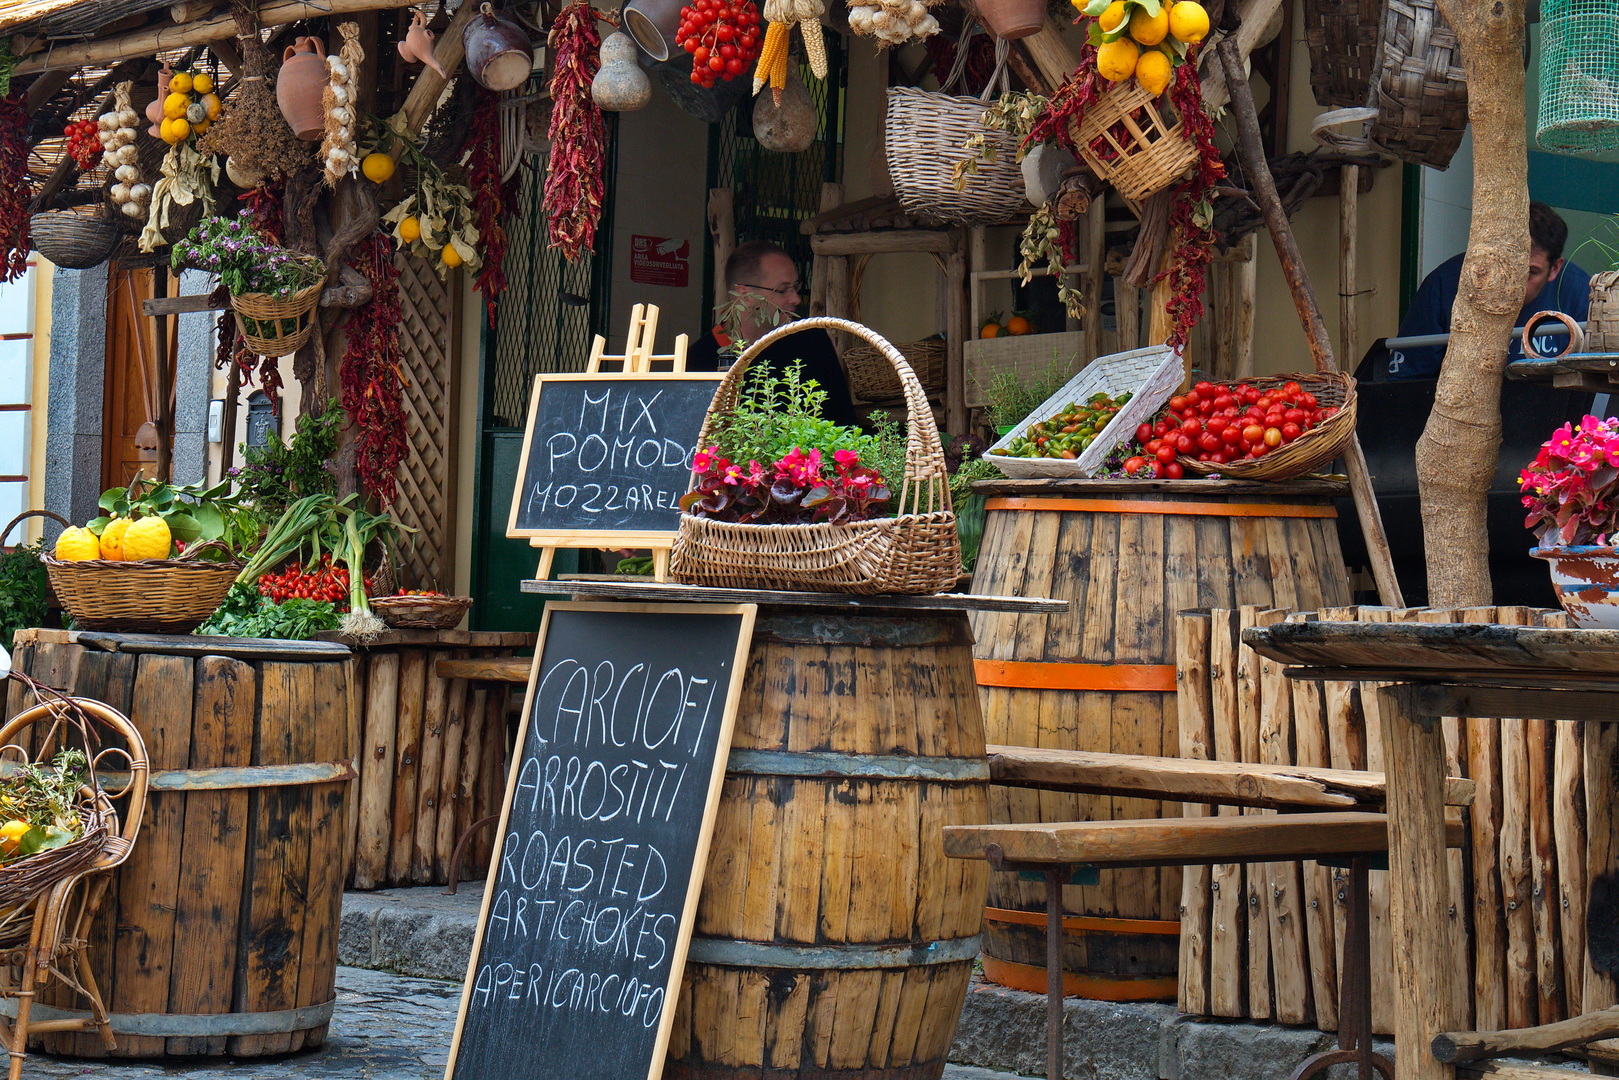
(273, 289)
(1571, 491)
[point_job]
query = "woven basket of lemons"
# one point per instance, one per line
(127, 581)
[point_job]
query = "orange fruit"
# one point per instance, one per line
(1149, 29)
(1153, 71)
(377, 168)
(990, 329)
(1017, 326)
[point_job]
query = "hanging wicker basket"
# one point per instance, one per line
(73, 240)
(1421, 89)
(1127, 141)
(1602, 321)
(916, 551)
(276, 325)
(1342, 35)
(873, 379)
(1311, 450)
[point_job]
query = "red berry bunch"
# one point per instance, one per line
(84, 144)
(723, 36)
(1221, 424)
(321, 581)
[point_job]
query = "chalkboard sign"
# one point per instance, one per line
(608, 454)
(604, 836)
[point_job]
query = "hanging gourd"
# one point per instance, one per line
(620, 85)
(788, 125)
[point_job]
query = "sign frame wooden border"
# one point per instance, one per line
(716, 783)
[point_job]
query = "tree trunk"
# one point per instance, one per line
(1456, 456)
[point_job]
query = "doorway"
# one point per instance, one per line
(138, 390)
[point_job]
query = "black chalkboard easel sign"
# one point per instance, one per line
(610, 803)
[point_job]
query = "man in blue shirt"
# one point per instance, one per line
(1553, 285)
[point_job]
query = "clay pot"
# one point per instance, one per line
(1012, 19)
(620, 86)
(499, 56)
(418, 44)
(790, 127)
(154, 110)
(652, 23)
(299, 86)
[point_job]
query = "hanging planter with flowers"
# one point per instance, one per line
(273, 290)
(1571, 491)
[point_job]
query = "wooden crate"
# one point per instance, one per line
(1265, 941)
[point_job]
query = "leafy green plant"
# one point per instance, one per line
(969, 506)
(245, 259)
(1011, 396)
(275, 475)
(245, 613)
(191, 511)
(22, 589)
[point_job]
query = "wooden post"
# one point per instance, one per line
(1050, 53)
(1348, 226)
(956, 331)
(722, 227)
(429, 84)
(1232, 284)
(831, 199)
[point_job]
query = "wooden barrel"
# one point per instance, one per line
(219, 934)
(1127, 555)
(834, 940)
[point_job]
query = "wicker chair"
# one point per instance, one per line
(49, 899)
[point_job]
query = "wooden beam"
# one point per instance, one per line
(207, 31)
(1507, 1070)
(895, 241)
(43, 89)
(512, 669)
(1534, 1041)
(429, 84)
(1050, 52)
(1257, 16)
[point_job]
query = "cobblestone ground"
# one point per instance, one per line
(384, 1027)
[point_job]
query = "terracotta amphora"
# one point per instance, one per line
(299, 86)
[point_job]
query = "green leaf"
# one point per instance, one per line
(210, 521)
(1152, 7)
(1096, 7)
(98, 525)
(182, 526)
(111, 498)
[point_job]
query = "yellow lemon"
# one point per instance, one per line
(112, 538)
(175, 105)
(147, 538)
(1188, 21)
(450, 256)
(76, 545)
(1116, 60)
(181, 131)
(1149, 29)
(202, 82)
(410, 230)
(377, 168)
(202, 128)
(1110, 19)
(211, 103)
(180, 83)
(11, 834)
(1153, 71)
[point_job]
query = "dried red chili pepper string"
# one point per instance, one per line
(15, 190)
(573, 179)
(489, 197)
(1190, 213)
(1066, 108)
(373, 387)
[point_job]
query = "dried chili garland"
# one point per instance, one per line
(1066, 108)
(573, 179)
(373, 389)
(15, 191)
(1191, 208)
(490, 198)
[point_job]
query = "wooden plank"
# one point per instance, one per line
(1568, 821)
(1140, 635)
(455, 726)
(214, 848)
(376, 770)
(1284, 492)
(1310, 749)
(1195, 707)
(512, 669)
(1527, 1042)
(655, 592)
(466, 784)
(435, 717)
(357, 673)
(1256, 887)
(184, 645)
(1285, 881)
(886, 241)
(1602, 839)
(1228, 915)
(492, 777)
(328, 740)
(1543, 890)
(413, 671)
(1539, 654)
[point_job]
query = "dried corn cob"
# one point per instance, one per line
(778, 76)
(775, 48)
(814, 46)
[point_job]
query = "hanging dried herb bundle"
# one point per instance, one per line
(373, 391)
(491, 199)
(253, 134)
(573, 179)
(1192, 207)
(15, 190)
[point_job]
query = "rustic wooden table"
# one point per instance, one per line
(1472, 670)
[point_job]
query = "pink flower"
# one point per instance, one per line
(846, 459)
(703, 459)
(756, 473)
(733, 474)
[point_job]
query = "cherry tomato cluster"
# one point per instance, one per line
(421, 592)
(723, 36)
(1221, 424)
(84, 144)
(323, 581)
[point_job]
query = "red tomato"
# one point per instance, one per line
(1328, 413)
(1191, 427)
(1254, 412)
(1220, 457)
(1144, 433)
(1205, 389)
(1307, 400)
(1215, 424)
(1224, 401)
(1273, 437)
(1291, 432)
(1166, 454)
(1153, 445)
(1293, 416)
(1185, 444)
(1232, 435)
(1177, 403)
(1194, 398)
(1209, 442)
(1174, 470)
(1160, 471)
(1161, 428)
(1265, 402)
(1292, 389)
(1134, 465)
(1253, 433)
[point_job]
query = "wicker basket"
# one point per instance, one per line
(421, 612)
(873, 379)
(1602, 322)
(916, 551)
(1343, 47)
(1129, 143)
(73, 240)
(1421, 92)
(276, 325)
(151, 596)
(1311, 450)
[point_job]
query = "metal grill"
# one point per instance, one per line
(545, 321)
(775, 192)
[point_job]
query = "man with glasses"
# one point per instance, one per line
(764, 293)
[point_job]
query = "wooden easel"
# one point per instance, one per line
(638, 359)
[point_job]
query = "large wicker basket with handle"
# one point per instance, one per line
(1311, 450)
(915, 551)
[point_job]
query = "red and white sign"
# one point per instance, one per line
(660, 260)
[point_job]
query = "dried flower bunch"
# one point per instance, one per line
(253, 134)
(245, 260)
(1571, 489)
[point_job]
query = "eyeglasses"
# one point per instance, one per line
(795, 287)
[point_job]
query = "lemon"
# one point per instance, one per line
(112, 538)
(181, 131)
(450, 256)
(11, 834)
(202, 128)
(211, 103)
(175, 105)
(180, 84)
(1153, 71)
(1188, 21)
(1149, 29)
(202, 82)
(147, 538)
(76, 545)
(377, 168)
(1116, 60)
(165, 131)
(410, 230)
(1110, 19)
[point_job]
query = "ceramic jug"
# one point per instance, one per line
(498, 53)
(154, 110)
(418, 44)
(299, 86)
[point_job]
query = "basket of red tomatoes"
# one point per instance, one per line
(421, 609)
(1269, 428)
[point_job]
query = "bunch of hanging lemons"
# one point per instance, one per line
(1145, 39)
(189, 108)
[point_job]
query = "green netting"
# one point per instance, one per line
(1579, 76)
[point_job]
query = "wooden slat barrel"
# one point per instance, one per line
(833, 938)
(1127, 555)
(219, 933)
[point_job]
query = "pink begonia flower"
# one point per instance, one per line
(756, 473)
(733, 473)
(845, 458)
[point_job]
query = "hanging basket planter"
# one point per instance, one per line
(276, 325)
(1127, 141)
(73, 240)
(1579, 78)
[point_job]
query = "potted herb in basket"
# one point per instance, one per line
(1571, 491)
(273, 289)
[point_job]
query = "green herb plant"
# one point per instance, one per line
(247, 614)
(1011, 396)
(275, 475)
(22, 589)
(192, 512)
(45, 798)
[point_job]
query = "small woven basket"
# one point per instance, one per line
(1129, 143)
(1602, 322)
(873, 379)
(1343, 47)
(276, 325)
(148, 596)
(916, 551)
(73, 240)
(1421, 92)
(1311, 450)
(421, 612)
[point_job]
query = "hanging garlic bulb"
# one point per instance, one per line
(128, 194)
(339, 153)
